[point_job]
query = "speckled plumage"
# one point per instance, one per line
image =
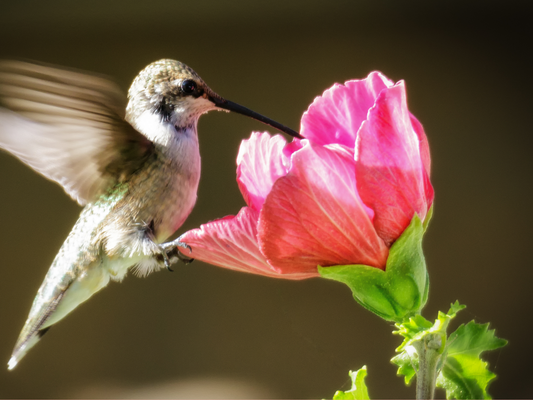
(142, 206)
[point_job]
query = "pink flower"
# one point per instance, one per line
(340, 196)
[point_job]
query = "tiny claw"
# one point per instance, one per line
(183, 258)
(166, 260)
(164, 257)
(171, 249)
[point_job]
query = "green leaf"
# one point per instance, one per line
(407, 366)
(464, 375)
(473, 339)
(398, 292)
(455, 308)
(358, 390)
(461, 371)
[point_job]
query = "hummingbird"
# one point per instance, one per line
(133, 163)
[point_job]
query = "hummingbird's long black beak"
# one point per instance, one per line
(231, 106)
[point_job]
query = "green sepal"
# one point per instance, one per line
(464, 374)
(401, 290)
(358, 390)
(429, 215)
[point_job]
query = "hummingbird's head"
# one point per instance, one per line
(172, 91)
(174, 94)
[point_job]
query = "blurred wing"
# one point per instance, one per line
(68, 126)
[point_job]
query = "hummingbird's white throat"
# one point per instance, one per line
(183, 121)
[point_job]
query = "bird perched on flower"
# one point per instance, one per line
(134, 167)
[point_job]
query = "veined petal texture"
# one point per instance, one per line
(390, 171)
(231, 242)
(314, 215)
(261, 161)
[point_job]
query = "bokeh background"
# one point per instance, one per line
(207, 332)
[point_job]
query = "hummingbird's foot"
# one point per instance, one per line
(171, 250)
(163, 256)
(183, 258)
(175, 251)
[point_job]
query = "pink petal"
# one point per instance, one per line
(231, 243)
(391, 176)
(291, 148)
(423, 142)
(426, 159)
(314, 216)
(336, 116)
(260, 162)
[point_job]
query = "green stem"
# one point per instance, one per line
(429, 351)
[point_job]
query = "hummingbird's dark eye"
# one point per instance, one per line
(188, 86)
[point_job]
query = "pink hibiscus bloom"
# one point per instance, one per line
(340, 196)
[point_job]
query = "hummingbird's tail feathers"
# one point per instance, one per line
(21, 351)
(56, 299)
(75, 275)
(35, 327)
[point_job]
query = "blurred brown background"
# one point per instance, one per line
(207, 332)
